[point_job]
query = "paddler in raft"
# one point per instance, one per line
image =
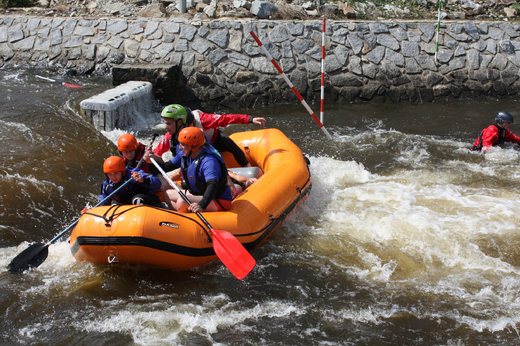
(141, 190)
(132, 151)
(203, 172)
(176, 117)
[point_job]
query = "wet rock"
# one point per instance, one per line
(510, 12)
(263, 9)
(279, 9)
(6, 52)
(329, 10)
(348, 11)
(211, 9)
(153, 11)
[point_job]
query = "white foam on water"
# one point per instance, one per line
(114, 135)
(58, 261)
(331, 172)
(165, 322)
(56, 278)
(60, 258)
(7, 254)
(499, 155)
(30, 332)
(14, 76)
(366, 139)
(495, 325)
(414, 155)
(471, 167)
(372, 315)
(26, 180)
(25, 132)
(419, 228)
(59, 276)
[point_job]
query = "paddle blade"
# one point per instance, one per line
(232, 253)
(71, 86)
(31, 257)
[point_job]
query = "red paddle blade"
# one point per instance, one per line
(232, 253)
(72, 86)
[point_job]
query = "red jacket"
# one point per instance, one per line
(209, 123)
(493, 135)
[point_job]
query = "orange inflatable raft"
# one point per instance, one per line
(165, 238)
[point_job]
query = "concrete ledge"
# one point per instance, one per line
(118, 107)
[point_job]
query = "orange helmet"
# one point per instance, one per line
(114, 164)
(127, 142)
(192, 136)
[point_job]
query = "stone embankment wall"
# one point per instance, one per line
(220, 64)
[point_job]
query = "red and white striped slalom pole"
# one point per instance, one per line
(293, 88)
(322, 88)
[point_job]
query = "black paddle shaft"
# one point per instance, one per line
(182, 194)
(36, 253)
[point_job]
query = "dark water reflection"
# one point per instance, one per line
(407, 237)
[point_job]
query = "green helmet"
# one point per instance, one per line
(175, 112)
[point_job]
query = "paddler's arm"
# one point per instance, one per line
(209, 194)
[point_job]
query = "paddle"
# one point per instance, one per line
(227, 247)
(36, 253)
(67, 85)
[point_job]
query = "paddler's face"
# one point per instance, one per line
(171, 125)
(186, 149)
(115, 177)
(128, 154)
(189, 151)
(505, 125)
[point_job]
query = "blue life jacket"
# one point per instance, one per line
(195, 178)
(150, 185)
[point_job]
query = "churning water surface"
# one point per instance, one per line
(406, 238)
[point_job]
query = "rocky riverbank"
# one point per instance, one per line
(217, 63)
(506, 10)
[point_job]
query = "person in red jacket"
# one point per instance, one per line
(496, 134)
(131, 150)
(177, 117)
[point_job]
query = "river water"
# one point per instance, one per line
(406, 237)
